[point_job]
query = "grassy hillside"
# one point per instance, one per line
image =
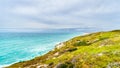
(96, 50)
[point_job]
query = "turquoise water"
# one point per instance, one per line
(16, 47)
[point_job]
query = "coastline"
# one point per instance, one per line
(58, 45)
(3, 66)
(46, 52)
(95, 46)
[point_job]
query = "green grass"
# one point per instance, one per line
(96, 50)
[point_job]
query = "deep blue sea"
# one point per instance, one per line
(16, 47)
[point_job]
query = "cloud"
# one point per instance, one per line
(25, 10)
(54, 14)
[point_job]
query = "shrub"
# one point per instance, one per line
(72, 49)
(81, 43)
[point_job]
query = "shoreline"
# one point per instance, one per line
(3, 66)
(93, 45)
(57, 44)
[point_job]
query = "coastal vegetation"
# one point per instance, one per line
(95, 50)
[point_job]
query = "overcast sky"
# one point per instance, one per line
(57, 14)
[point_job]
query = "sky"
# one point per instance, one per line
(59, 14)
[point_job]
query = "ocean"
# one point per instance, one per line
(16, 47)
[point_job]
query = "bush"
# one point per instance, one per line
(72, 49)
(81, 43)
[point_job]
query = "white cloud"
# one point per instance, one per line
(25, 10)
(60, 13)
(43, 6)
(98, 7)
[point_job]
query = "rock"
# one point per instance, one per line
(56, 54)
(60, 45)
(114, 65)
(117, 53)
(100, 54)
(42, 66)
(95, 40)
(106, 42)
(75, 59)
